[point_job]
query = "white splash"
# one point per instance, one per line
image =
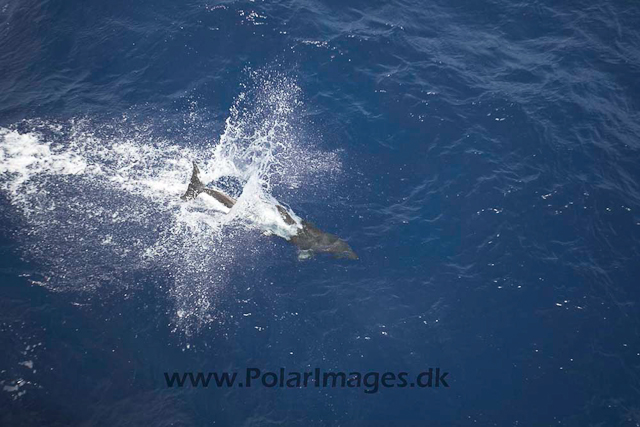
(100, 202)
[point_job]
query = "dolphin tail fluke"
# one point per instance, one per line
(195, 185)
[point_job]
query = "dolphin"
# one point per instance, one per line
(308, 238)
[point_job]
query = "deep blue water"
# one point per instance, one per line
(480, 157)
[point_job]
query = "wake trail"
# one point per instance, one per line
(101, 202)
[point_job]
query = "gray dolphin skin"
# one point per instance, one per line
(309, 239)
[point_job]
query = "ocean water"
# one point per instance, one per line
(481, 158)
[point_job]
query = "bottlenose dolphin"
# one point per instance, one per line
(308, 238)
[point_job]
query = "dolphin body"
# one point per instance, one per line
(309, 239)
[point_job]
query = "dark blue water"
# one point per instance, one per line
(480, 157)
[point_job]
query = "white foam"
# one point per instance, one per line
(27, 363)
(102, 200)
